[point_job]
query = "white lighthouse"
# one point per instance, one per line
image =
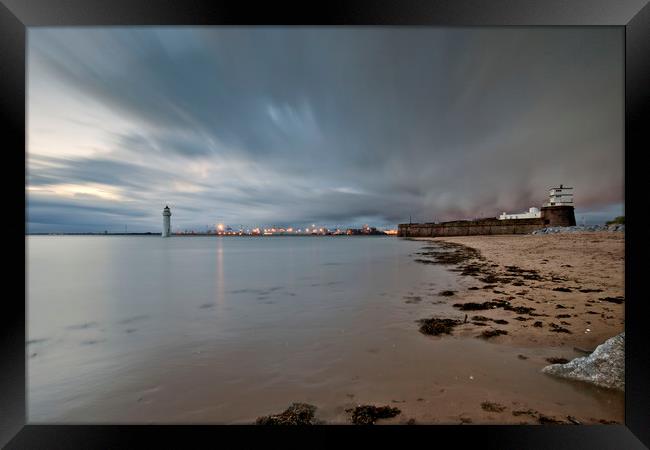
(167, 230)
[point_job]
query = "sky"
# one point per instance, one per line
(334, 126)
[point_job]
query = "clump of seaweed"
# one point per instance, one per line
(472, 306)
(558, 329)
(369, 414)
(562, 289)
(446, 293)
(487, 334)
(492, 407)
(546, 420)
(447, 253)
(436, 326)
(618, 300)
(296, 414)
(481, 318)
(538, 324)
(487, 319)
(519, 309)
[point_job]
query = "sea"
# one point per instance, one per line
(222, 330)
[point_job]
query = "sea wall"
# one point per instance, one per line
(470, 227)
(552, 216)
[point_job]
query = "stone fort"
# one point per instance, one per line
(557, 212)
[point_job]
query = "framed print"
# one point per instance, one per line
(240, 218)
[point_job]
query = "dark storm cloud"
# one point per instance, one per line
(338, 125)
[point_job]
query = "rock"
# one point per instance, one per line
(604, 367)
(580, 229)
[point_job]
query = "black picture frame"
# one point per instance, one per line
(633, 15)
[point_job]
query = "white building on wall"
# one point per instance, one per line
(532, 213)
(560, 196)
(557, 196)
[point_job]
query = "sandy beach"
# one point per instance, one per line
(573, 282)
(539, 297)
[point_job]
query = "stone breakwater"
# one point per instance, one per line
(581, 229)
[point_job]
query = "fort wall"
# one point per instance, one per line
(552, 216)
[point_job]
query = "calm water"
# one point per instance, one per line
(137, 329)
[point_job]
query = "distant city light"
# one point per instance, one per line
(222, 229)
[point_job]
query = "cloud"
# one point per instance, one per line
(330, 125)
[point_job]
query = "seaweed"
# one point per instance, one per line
(520, 309)
(492, 407)
(546, 420)
(481, 318)
(471, 306)
(487, 334)
(436, 326)
(369, 414)
(618, 300)
(447, 253)
(296, 414)
(558, 329)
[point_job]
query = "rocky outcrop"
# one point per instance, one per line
(581, 229)
(604, 367)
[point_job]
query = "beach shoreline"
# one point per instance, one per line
(555, 297)
(574, 284)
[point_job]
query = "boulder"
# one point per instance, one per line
(604, 367)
